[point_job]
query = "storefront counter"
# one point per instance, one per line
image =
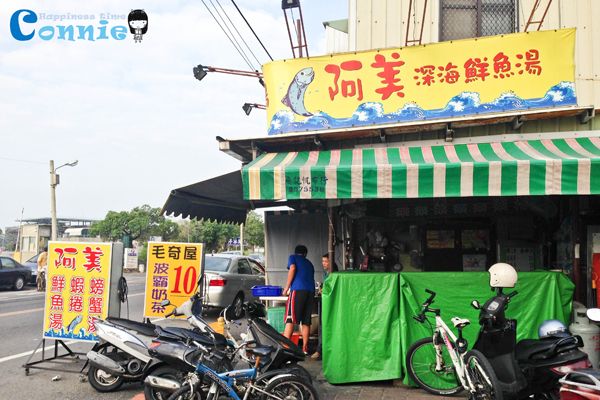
(368, 324)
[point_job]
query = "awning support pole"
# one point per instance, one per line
(330, 240)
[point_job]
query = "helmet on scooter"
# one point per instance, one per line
(552, 328)
(502, 275)
(256, 310)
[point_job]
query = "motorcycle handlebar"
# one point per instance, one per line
(512, 294)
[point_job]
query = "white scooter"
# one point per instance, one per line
(122, 352)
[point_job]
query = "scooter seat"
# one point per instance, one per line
(189, 334)
(532, 349)
(146, 329)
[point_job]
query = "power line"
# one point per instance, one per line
(20, 160)
(238, 32)
(217, 21)
(249, 26)
(230, 32)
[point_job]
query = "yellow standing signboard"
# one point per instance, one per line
(173, 271)
(77, 289)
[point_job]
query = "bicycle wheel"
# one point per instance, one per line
(184, 393)
(420, 362)
(487, 386)
(290, 387)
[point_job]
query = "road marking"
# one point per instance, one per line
(8, 314)
(27, 353)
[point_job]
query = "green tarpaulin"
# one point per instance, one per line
(368, 324)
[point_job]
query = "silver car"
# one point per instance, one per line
(228, 280)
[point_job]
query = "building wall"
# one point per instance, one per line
(336, 41)
(374, 24)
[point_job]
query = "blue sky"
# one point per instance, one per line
(131, 113)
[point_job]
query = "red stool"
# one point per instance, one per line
(295, 338)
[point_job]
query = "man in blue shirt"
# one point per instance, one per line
(300, 288)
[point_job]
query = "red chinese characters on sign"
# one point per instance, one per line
(159, 284)
(76, 304)
(66, 257)
(95, 306)
(390, 70)
(427, 76)
(56, 302)
(77, 284)
(502, 66)
(97, 286)
(57, 283)
(476, 69)
(91, 321)
(350, 88)
(56, 321)
(92, 259)
(532, 62)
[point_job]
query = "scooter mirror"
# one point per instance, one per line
(475, 304)
(594, 314)
(165, 303)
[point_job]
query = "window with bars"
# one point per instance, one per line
(462, 19)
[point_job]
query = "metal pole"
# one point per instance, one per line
(53, 183)
(242, 238)
(330, 237)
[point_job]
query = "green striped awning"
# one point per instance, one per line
(526, 167)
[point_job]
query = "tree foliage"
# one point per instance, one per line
(215, 235)
(139, 224)
(254, 230)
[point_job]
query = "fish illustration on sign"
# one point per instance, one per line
(294, 98)
(74, 323)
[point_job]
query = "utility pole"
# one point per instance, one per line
(53, 182)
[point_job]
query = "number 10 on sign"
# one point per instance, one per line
(172, 273)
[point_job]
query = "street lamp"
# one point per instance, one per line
(200, 71)
(247, 107)
(54, 181)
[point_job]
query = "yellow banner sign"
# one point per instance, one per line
(77, 289)
(498, 74)
(173, 271)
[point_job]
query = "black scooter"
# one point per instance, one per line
(530, 367)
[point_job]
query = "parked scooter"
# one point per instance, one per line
(286, 353)
(283, 356)
(531, 367)
(123, 351)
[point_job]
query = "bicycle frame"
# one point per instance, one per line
(442, 330)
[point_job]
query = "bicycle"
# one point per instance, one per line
(442, 365)
(273, 385)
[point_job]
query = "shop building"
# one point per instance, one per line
(509, 175)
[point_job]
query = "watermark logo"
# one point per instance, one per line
(26, 25)
(138, 24)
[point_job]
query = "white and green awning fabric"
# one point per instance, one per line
(519, 168)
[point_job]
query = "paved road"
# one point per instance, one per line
(21, 315)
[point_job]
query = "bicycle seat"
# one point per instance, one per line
(261, 351)
(460, 323)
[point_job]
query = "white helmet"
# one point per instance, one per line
(502, 275)
(552, 328)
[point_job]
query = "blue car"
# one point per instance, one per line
(32, 265)
(13, 274)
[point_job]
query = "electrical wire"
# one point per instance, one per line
(250, 26)
(231, 33)
(232, 42)
(238, 32)
(20, 160)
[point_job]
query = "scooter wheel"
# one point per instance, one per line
(102, 381)
(167, 372)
